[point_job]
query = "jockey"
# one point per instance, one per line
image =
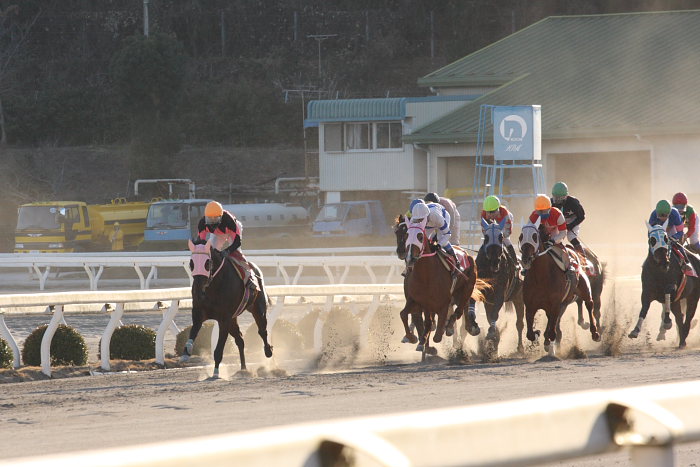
(664, 212)
(552, 220)
(690, 219)
(226, 232)
(495, 211)
(573, 213)
(437, 224)
(451, 208)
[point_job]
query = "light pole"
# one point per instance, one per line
(145, 18)
(320, 38)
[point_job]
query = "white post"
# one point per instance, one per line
(168, 318)
(114, 322)
(46, 340)
(5, 333)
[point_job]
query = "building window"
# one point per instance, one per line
(333, 136)
(388, 135)
(357, 136)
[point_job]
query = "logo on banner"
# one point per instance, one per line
(514, 138)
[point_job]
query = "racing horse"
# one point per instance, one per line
(664, 281)
(549, 288)
(429, 287)
(218, 293)
(501, 272)
(596, 277)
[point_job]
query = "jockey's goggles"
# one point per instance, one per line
(680, 207)
(212, 220)
(662, 216)
(492, 212)
(559, 199)
(543, 212)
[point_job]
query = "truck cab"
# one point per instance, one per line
(170, 223)
(351, 219)
(52, 227)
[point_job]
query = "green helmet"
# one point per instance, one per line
(663, 208)
(559, 190)
(491, 203)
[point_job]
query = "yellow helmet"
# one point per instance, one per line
(542, 202)
(213, 209)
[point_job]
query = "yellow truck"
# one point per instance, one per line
(73, 226)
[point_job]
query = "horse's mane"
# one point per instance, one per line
(400, 218)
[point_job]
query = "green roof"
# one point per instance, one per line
(356, 110)
(603, 75)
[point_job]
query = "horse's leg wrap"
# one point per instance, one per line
(187, 350)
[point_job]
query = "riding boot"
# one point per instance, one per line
(457, 269)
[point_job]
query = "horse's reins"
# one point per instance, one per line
(424, 255)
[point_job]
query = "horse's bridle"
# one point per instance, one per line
(209, 274)
(397, 227)
(530, 235)
(412, 239)
(658, 238)
(493, 234)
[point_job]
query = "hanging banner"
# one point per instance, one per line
(517, 132)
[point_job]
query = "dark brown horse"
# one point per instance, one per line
(546, 287)
(596, 277)
(664, 281)
(501, 271)
(218, 293)
(429, 287)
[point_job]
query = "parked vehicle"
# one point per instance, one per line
(170, 223)
(70, 226)
(351, 219)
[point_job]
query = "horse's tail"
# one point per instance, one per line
(479, 286)
(261, 282)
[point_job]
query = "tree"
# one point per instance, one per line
(13, 35)
(148, 74)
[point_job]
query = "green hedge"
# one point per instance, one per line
(133, 342)
(7, 357)
(67, 347)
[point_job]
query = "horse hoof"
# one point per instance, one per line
(532, 336)
(419, 348)
(184, 358)
(583, 324)
(682, 345)
(474, 330)
(596, 337)
(449, 331)
(521, 349)
(431, 351)
(409, 339)
(437, 338)
(634, 334)
(668, 324)
(661, 337)
(492, 333)
(268, 351)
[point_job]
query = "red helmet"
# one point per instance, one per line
(679, 198)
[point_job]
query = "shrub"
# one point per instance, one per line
(133, 342)
(7, 357)
(202, 344)
(67, 347)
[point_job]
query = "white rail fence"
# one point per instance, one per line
(55, 304)
(288, 264)
(648, 422)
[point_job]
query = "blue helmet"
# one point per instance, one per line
(414, 202)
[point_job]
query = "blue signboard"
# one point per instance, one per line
(517, 132)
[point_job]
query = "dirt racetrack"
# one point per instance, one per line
(297, 385)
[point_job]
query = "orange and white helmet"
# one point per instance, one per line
(542, 203)
(213, 212)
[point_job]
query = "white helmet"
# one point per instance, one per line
(419, 212)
